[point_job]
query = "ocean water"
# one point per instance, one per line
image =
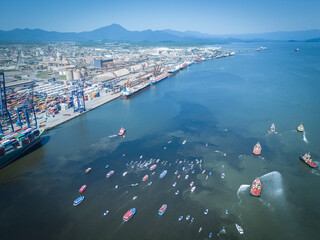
(222, 108)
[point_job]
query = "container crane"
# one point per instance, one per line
(5, 114)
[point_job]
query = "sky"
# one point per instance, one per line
(206, 16)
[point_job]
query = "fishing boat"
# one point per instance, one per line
(180, 218)
(193, 188)
(153, 167)
(184, 142)
(206, 211)
(83, 188)
(145, 177)
(121, 132)
(191, 184)
(300, 128)
(177, 192)
(106, 212)
(163, 209)
(149, 183)
(174, 184)
(240, 230)
(107, 166)
(306, 158)
(272, 128)
(187, 217)
(200, 229)
(223, 175)
(257, 149)
(163, 174)
(110, 174)
(88, 170)
(256, 188)
(129, 214)
(78, 201)
(134, 197)
(186, 177)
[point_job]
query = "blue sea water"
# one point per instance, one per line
(222, 108)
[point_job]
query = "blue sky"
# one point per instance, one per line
(207, 16)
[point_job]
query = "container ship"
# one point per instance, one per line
(173, 71)
(128, 92)
(159, 78)
(13, 145)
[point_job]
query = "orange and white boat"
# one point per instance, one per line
(306, 158)
(88, 170)
(83, 188)
(256, 188)
(300, 128)
(121, 132)
(257, 149)
(145, 177)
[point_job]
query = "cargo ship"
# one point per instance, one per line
(129, 92)
(256, 188)
(14, 144)
(129, 214)
(257, 149)
(306, 158)
(153, 167)
(163, 174)
(155, 80)
(300, 128)
(173, 71)
(163, 209)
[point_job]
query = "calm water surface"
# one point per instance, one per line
(221, 108)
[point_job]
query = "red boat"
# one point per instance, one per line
(257, 149)
(129, 214)
(121, 132)
(256, 188)
(83, 188)
(306, 158)
(145, 177)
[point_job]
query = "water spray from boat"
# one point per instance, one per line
(304, 137)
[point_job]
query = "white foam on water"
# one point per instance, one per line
(304, 137)
(111, 136)
(271, 185)
(243, 187)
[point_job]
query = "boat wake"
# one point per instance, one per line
(272, 185)
(242, 188)
(111, 136)
(305, 138)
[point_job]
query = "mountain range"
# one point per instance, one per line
(115, 32)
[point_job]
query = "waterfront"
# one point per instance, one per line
(243, 94)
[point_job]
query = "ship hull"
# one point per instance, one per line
(134, 93)
(18, 152)
(312, 164)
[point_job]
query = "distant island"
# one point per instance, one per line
(115, 32)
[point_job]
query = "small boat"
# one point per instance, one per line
(116, 186)
(180, 218)
(223, 175)
(200, 229)
(178, 176)
(227, 212)
(163, 174)
(145, 177)
(184, 142)
(157, 160)
(210, 235)
(272, 128)
(206, 211)
(129, 214)
(141, 156)
(193, 188)
(110, 174)
(176, 172)
(191, 184)
(306, 158)
(134, 197)
(187, 217)
(134, 184)
(153, 173)
(124, 174)
(297, 50)
(153, 167)
(169, 142)
(174, 184)
(210, 173)
(78, 201)
(163, 209)
(121, 132)
(204, 171)
(257, 149)
(106, 212)
(149, 183)
(193, 171)
(88, 170)
(186, 177)
(83, 188)
(207, 177)
(300, 128)
(192, 219)
(107, 166)
(177, 192)
(240, 230)
(256, 188)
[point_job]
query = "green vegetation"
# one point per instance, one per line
(61, 77)
(8, 70)
(42, 74)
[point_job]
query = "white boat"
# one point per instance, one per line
(272, 128)
(240, 230)
(187, 176)
(184, 142)
(124, 174)
(203, 172)
(200, 229)
(223, 175)
(177, 192)
(106, 212)
(174, 184)
(134, 198)
(193, 188)
(206, 211)
(187, 217)
(134, 184)
(192, 219)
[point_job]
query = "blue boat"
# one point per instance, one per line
(163, 174)
(129, 214)
(110, 174)
(163, 209)
(78, 201)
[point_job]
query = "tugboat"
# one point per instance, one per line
(300, 128)
(110, 174)
(256, 188)
(163, 209)
(257, 149)
(129, 214)
(272, 128)
(306, 158)
(78, 201)
(121, 132)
